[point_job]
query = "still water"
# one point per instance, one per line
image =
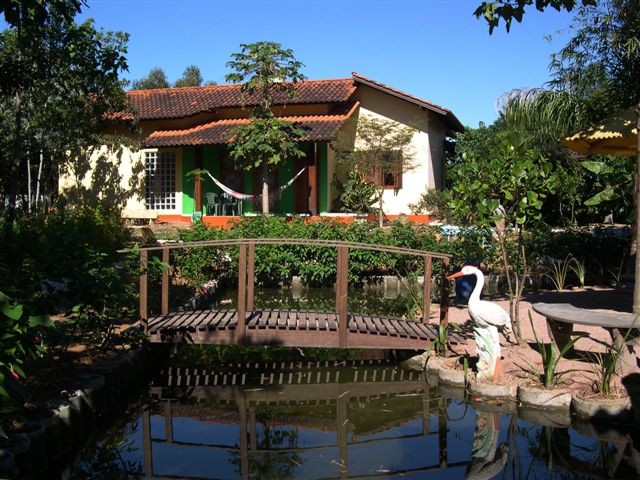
(345, 420)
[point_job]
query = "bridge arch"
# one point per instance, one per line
(247, 325)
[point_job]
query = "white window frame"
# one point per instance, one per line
(163, 196)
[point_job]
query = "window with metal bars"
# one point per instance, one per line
(160, 180)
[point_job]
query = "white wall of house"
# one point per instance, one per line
(427, 146)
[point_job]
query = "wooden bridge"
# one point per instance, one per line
(247, 325)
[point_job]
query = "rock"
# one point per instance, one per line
(416, 363)
(540, 397)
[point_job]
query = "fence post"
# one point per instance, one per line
(251, 264)
(144, 314)
(444, 300)
(342, 288)
(242, 293)
(426, 289)
(165, 281)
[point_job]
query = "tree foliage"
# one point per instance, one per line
(156, 78)
(508, 10)
(266, 140)
(506, 189)
(190, 78)
(600, 65)
(59, 86)
(265, 68)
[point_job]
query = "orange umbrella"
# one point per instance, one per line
(616, 135)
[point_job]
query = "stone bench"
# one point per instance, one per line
(622, 327)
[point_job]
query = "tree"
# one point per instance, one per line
(506, 189)
(60, 83)
(190, 78)
(155, 79)
(508, 10)
(265, 69)
(600, 64)
(382, 150)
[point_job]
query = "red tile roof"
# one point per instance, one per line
(169, 103)
(316, 128)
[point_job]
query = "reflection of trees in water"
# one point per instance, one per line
(267, 461)
(103, 459)
(371, 301)
(555, 454)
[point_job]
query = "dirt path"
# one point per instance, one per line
(517, 359)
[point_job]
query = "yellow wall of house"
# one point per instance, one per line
(427, 145)
(116, 178)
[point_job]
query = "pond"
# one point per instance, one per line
(391, 297)
(348, 419)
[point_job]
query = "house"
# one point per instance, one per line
(184, 129)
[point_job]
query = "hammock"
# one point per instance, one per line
(246, 196)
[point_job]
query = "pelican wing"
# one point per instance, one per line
(486, 314)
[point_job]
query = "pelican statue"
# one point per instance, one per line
(488, 319)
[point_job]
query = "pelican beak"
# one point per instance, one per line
(455, 275)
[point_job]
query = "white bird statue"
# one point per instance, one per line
(484, 313)
(488, 318)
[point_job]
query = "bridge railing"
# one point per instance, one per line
(246, 275)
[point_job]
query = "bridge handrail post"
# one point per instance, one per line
(251, 264)
(242, 293)
(426, 289)
(144, 314)
(444, 299)
(342, 288)
(165, 281)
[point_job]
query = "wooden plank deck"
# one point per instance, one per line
(291, 328)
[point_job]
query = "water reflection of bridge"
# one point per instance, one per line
(339, 391)
(363, 412)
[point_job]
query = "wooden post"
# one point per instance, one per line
(168, 421)
(244, 445)
(251, 267)
(197, 179)
(442, 433)
(144, 314)
(426, 414)
(146, 442)
(342, 288)
(342, 419)
(314, 161)
(426, 290)
(242, 293)
(444, 299)
(165, 281)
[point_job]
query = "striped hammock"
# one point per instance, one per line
(246, 196)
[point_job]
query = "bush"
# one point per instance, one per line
(315, 265)
(604, 251)
(68, 261)
(435, 203)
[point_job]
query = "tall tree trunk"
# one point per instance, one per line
(380, 212)
(636, 205)
(14, 170)
(39, 179)
(265, 189)
(28, 185)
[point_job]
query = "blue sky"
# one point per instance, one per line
(434, 49)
